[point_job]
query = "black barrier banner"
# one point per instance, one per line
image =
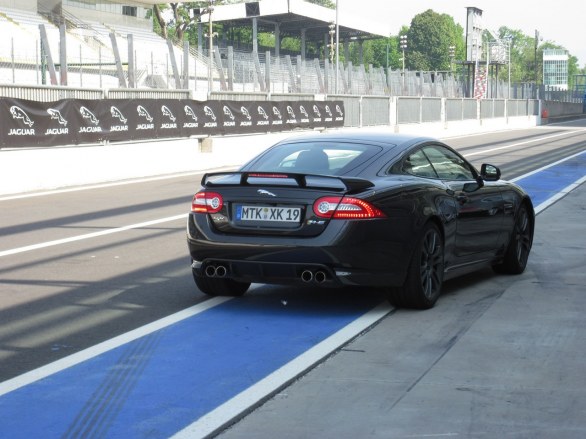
(74, 121)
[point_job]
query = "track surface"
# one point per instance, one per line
(79, 268)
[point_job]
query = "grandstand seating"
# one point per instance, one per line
(88, 45)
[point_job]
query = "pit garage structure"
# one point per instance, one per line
(294, 18)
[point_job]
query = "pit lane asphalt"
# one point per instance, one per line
(506, 368)
(441, 338)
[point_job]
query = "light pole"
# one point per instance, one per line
(403, 45)
(209, 11)
(337, 47)
(452, 56)
(332, 27)
(509, 39)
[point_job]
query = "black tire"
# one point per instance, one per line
(213, 286)
(517, 254)
(425, 275)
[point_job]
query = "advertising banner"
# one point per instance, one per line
(74, 121)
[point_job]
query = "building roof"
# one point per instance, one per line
(293, 16)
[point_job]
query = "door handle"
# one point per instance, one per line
(462, 199)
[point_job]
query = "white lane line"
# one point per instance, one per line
(108, 345)
(176, 217)
(561, 194)
(89, 235)
(224, 414)
(522, 143)
(548, 166)
(114, 183)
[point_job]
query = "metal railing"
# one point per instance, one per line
(360, 111)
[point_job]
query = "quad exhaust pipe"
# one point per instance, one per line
(317, 277)
(216, 271)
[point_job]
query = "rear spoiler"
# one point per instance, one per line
(313, 181)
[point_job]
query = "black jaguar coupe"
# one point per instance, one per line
(398, 212)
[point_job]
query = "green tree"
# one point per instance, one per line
(326, 3)
(429, 39)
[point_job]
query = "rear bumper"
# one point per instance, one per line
(293, 273)
(369, 253)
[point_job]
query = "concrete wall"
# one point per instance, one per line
(27, 170)
(556, 109)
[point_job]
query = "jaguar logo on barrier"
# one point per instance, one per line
(262, 112)
(228, 113)
(245, 112)
(189, 112)
(115, 112)
(209, 112)
(166, 112)
(316, 111)
(144, 113)
(19, 113)
(56, 115)
(87, 114)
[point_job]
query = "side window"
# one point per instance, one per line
(448, 165)
(417, 164)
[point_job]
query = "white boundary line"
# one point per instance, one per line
(89, 235)
(202, 171)
(565, 191)
(523, 143)
(231, 409)
(114, 183)
(108, 345)
(177, 217)
(548, 166)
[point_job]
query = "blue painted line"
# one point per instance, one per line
(548, 182)
(158, 384)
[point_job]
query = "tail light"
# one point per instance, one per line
(345, 208)
(207, 202)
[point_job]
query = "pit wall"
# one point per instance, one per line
(30, 170)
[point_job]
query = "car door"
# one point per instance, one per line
(480, 207)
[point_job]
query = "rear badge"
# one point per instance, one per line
(265, 192)
(317, 222)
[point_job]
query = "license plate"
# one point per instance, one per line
(268, 213)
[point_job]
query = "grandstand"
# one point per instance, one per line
(90, 55)
(92, 61)
(91, 58)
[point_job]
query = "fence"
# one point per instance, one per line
(94, 61)
(360, 111)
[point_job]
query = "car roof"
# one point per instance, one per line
(369, 136)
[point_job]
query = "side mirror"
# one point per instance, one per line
(490, 172)
(472, 187)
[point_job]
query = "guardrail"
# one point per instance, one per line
(360, 111)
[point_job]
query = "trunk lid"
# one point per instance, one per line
(281, 204)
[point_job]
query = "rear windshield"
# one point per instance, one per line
(315, 157)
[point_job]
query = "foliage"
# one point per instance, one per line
(429, 39)
(326, 3)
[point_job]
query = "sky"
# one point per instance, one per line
(562, 22)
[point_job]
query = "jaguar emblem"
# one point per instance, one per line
(265, 192)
